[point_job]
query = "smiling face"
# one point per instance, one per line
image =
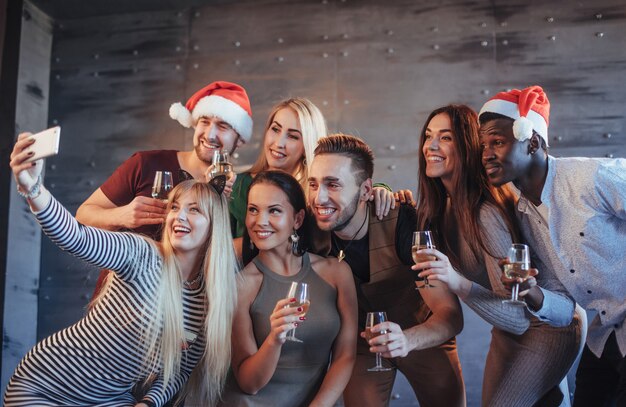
(440, 150)
(334, 194)
(283, 144)
(504, 157)
(187, 225)
(270, 217)
(213, 134)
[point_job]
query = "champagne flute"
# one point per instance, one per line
(518, 266)
(162, 185)
(423, 239)
(299, 291)
(221, 165)
(375, 318)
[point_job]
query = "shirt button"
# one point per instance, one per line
(603, 312)
(572, 271)
(615, 326)
(582, 233)
(588, 291)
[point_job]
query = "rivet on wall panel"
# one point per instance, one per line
(389, 32)
(484, 91)
(392, 167)
(57, 77)
(390, 50)
(343, 1)
(598, 16)
(280, 59)
(55, 121)
(49, 278)
(90, 183)
(559, 138)
(135, 69)
(177, 67)
(344, 54)
(325, 37)
(237, 62)
(135, 52)
(550, 19)
(436, 47)
(345, 36)
(505, 42)
(484, 43)
(196, 66)
(552, 38)
(346, 102)
(280, 40)
(179, 14)
(599, 34)
(483, 24)
(53, 167)
(325, 55)
(504, 24)
(608, 155)
(197, 14)
(434, 29)
(96, 56)
(237, 44)
(52, 186)
(392, 147)
(325, 103)
(324, 1)
(196, 47)
(178, 48)
(95, 74)
(46, 297)
(57, 59)
(92, 164)
(608, 135)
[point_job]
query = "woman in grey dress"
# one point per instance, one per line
(266, 369)
(533, 347)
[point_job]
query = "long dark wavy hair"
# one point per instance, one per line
(470, 185)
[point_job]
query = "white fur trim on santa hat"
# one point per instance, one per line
(227, 110)
(510, 109)
(522, 129)
(181, 114)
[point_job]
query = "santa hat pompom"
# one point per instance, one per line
(522, 128)
(181, 114)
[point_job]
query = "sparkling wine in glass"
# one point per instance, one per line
(518, 266)
(299, 291)
(375, 318)
(423, 239)
(221, 165)
(162, 185)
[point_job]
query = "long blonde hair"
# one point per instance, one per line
(312, 126)
(165, 334)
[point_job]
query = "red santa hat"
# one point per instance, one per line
(225, 100)
(529, 108)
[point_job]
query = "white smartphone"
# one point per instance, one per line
(46, 144)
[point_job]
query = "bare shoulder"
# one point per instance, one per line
(248, 283)
(330, 269)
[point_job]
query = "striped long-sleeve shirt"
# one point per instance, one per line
(98, 360)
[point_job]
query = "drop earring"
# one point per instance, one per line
(294, 242)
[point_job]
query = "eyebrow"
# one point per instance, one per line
(281, 126)
(440, 131)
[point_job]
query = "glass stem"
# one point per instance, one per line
(379, 362)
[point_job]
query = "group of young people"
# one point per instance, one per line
(176, 321)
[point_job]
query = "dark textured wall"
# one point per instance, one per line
(376, 69)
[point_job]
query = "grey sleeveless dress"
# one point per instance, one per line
(302, 366)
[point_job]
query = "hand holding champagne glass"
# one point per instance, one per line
(375, 318)
(423, 239)
(162, 185)
(299, 291)
(518, 266)
(221, 165)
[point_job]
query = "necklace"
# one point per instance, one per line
(342, 253)
(189, 284)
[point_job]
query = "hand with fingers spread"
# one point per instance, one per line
(383, 200)
(441, 269)
(283, 319)
(391, 343)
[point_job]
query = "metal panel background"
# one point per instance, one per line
(376, 69)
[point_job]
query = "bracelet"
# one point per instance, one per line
(34, 192)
